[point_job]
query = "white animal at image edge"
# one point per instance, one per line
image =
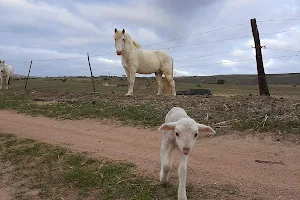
(6, 74)
(137, 60)
(179, 132)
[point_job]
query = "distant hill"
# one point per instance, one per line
(23, 76)
(272, 79)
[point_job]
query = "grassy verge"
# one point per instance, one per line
(280, 116)
(42, 171)
(142, 114)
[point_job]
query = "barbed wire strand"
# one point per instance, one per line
(219, 29)
(277, 20)
(290, 50)
(213, 54)
(237, 61)
(98, 55)
(207, 42)
(182, 59)
(194, 66)
(224, 62)
(201, 33)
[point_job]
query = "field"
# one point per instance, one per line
(230, 108)
(234, 110)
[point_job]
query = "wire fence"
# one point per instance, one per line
(90, 58)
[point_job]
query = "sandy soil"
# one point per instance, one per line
(5, 176)
(219, 160)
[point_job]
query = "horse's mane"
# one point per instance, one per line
(135, 43)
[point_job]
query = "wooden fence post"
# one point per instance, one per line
(262, 81)
(91, 71)
(28, 74)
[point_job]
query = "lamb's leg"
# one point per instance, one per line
(159, 82)
(166, 161)
(182, 174)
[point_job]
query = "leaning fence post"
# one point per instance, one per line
(91, 71)
(262, 82)
(28, 74)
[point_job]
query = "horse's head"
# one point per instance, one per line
(119, 41)
(2, 69)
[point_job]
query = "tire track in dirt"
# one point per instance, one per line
(219, 160)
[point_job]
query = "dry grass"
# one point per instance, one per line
(234, 108)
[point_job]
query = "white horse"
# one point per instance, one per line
(7, 73)
(135, 60)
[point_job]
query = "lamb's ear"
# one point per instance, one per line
(116, 30)
(123, 31)
(167, 127)
(206, 129)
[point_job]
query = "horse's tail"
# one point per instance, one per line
(172, 67)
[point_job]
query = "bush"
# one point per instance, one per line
(221, 82)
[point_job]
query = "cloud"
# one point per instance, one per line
(181, 73)
(42, 30)
(228, 62)
(30, 13)
(135, 12)
(108, 61)
(238, 52)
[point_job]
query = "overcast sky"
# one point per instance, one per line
(57, 29)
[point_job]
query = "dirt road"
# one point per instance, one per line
(220, 160)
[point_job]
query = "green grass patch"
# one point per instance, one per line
(48, 172)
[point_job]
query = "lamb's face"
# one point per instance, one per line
(186, 132)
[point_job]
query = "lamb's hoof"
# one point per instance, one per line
(128, 94)
(164, 183)
(182, 198)
(6, 88)
(163, 180)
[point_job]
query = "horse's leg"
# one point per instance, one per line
(1, 82)
(7, 82)
(159, 82)
(167, 87)
(131, 80)
(171, 82)
(128, 78)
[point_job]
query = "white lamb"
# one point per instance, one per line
(181, 133)
(7, 73)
